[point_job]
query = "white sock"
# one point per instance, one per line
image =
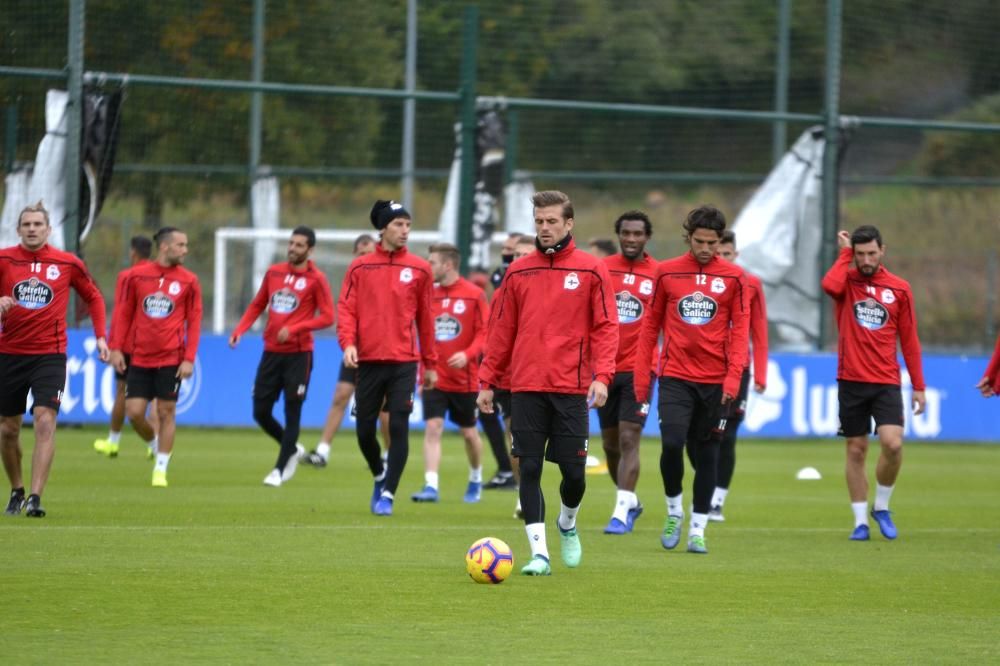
(536, 537)
(154, 444)
(698, 523)
(162, 460)
(882, 495)
(567, 517)
(719, 496)
(476, 474)
(323, 450)
(675, 506)
(624, 500)
(860, 513)
(114, 437)
(386, 493)
(431, 479)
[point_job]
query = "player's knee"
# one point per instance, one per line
(892, 446)
(672, 441)
(857, 449)
(531, 469)
(10, 427)
(261, 410)
(135, 410)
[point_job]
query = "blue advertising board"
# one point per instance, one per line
(800, 401)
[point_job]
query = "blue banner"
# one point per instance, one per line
(800, 401)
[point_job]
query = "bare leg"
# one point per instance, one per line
(612, 451)
(432, 444)
(857, 480)
(341, 398)
(167, 410)
(45, 448)
(152, 417)
(135, 408)
(118, 409)
(473, 446)
(629, 435)
(891, 458)
(10, 449)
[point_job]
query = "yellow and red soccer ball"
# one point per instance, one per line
(489, 560)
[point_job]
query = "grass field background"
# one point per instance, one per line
(218, 568)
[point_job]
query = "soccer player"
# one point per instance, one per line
(737, 408)
(622, 418)
(160, 320)
(700, 303)
(873, 308)
(385, 325)
(556, 326)
(506, 258)
(460, 315)
(297, 298)
(989, 385)
(35, 282)
(601, 248)
(140, 248)
(320, 456)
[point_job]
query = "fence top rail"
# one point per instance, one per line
(912, 123)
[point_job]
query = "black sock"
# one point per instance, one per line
(17, 491)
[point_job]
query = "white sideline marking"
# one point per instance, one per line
(464, 528)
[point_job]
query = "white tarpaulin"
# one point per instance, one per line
(265, 197)
(48, 179)
(778, 234)
(16, 186)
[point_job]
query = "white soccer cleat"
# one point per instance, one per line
(273, 479)
(293, 463)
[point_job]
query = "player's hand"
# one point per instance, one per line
(233, 341)
(103, 352)
(351, 356)
(727, 398)
(984, 388)
(6, 303)
(185, 369)
(919, 402)
(430, 378)
(283, 334)
(643, 410)
(597, 394)
(484, 401)
(118, 361)
(758, 388)
(843, 239)
(458, 360)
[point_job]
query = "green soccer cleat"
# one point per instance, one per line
(671, 532)
(571, 549)
(538, 566)
(696, 544)
(106, 447)
(159, 479)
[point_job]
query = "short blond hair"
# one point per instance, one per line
(547, 198)
(34, 208)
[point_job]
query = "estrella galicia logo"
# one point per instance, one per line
(446, 328)
(157, 306)
(871, 314)
(629, 308)
(284, 301)
(32, 294)
(697, 309)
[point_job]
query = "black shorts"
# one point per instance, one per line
(860, 402)
(347, 375)
(690, 412)
(278, 372)
(391, 384)
(621, 404)
(560, 419)
(120, 376)
(736, 409)
(460, 407)
(501, 397)
(152, 383)
(43, 374)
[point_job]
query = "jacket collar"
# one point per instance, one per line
(560, 248)
(395, 254)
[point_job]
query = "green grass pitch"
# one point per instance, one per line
(221, 569)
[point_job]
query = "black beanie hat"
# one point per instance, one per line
(384, 212)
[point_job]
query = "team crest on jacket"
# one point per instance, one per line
(629, 308)
(646, 287)
(174, 288)
(446, 328)
(300, 284)
(32, 294)
(697, 309)
(406, 275)
(571, 282)
(52, 273)
(718, 285)
(888, 297)
(459, 307)
(871, 314)
(284, 301)
(158, 305)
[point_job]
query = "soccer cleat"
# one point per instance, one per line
(885, 524)
(671, 532)
(633, 514)
(159, 478)
(696, 544)
(16, 503)
(314, 459)
(273, 478)
(571, 549)
(33, 507)
(383, 507)
(860, 533)
(501, 482)
(106, 447)
(715, 515)
(377, 491)
(538, 566)
(150, 453)
(616, 526)
(293, 463)
(428, 494)
(473, 492)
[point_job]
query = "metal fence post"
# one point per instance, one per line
(470, 37)
(74, 127)
(511, 155)
(256, 103)
(10, 139)
(410, 106)
(779, 136)
(831, 163)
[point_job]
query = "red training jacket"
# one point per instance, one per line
(633, 285)
(119, 297)
(704, 314)
(385, 307)
(870, 313)
(555, 324)
(39, 282)
(297, 298)
(159, 317)
(460, 317)
(992, 374)
(503, 382)
(758, 330)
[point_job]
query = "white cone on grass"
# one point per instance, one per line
(808, 474)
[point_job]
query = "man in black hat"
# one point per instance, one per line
(385, 326)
